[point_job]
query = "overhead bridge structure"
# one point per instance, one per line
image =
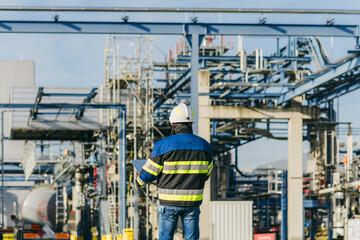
(237, 96)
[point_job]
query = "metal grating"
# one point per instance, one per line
(231, 220)
(353, 229)
(29, 159)
(50, 120)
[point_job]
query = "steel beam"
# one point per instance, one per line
(60, 105)
(66, 94)
(194, 83)
(325, 77)
(234, 95)
(211, 71)
(179, 10)
(335, 91)
(39, 96)
(237, 58)
(172, 28)
(283, 224)
(171, 90)
(122, 170)
(80, 112)
(251, 84)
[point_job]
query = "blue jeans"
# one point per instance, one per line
(169, 217)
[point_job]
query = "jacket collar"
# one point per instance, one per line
(181, 128)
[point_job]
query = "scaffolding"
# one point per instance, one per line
(129, 80)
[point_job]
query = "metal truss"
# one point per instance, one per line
(336, 89)
(273, 84)
(172, 89)
(323, 79)
(78, 112)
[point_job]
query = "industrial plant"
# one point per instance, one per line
(69, 155)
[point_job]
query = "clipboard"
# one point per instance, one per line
(138, 164)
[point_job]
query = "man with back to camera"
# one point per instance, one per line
(181, 163)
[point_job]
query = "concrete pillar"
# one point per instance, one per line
(295, 180)
(204, 132)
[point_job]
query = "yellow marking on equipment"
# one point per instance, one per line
(179, 111)
(30, 235)
(62, 236)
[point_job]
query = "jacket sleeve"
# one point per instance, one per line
(210, 168)
(151, 170)
(211, 162)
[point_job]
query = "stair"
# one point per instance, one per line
(112, 204)
(60, 207)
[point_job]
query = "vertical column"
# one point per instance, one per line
(295, 181)
(136, 191)
(283, 226)
(104, 210)
(122, 169)
(349, 150)
(204, 132)
(77, 195)
(194, 79)
(2, 171)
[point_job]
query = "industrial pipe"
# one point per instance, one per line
(339, 187)
(249, 84)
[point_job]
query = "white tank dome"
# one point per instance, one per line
(39, 206)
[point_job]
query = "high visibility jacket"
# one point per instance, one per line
(181, 164)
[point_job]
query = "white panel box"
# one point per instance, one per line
(353, 229)
(231, 220)
(13, 74)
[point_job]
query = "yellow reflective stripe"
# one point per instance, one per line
(140, 181)
(210, 168)
(154, 164)
(150, 171)
(184, 171)
(187, 163)
(180, 197)
(210, 171)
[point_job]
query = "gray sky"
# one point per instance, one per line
(78, 60)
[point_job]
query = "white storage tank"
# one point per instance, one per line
(39, 207)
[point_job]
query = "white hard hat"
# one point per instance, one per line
(181, 114)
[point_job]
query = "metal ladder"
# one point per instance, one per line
(112, 204)
(111, 198)
(60, 207)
